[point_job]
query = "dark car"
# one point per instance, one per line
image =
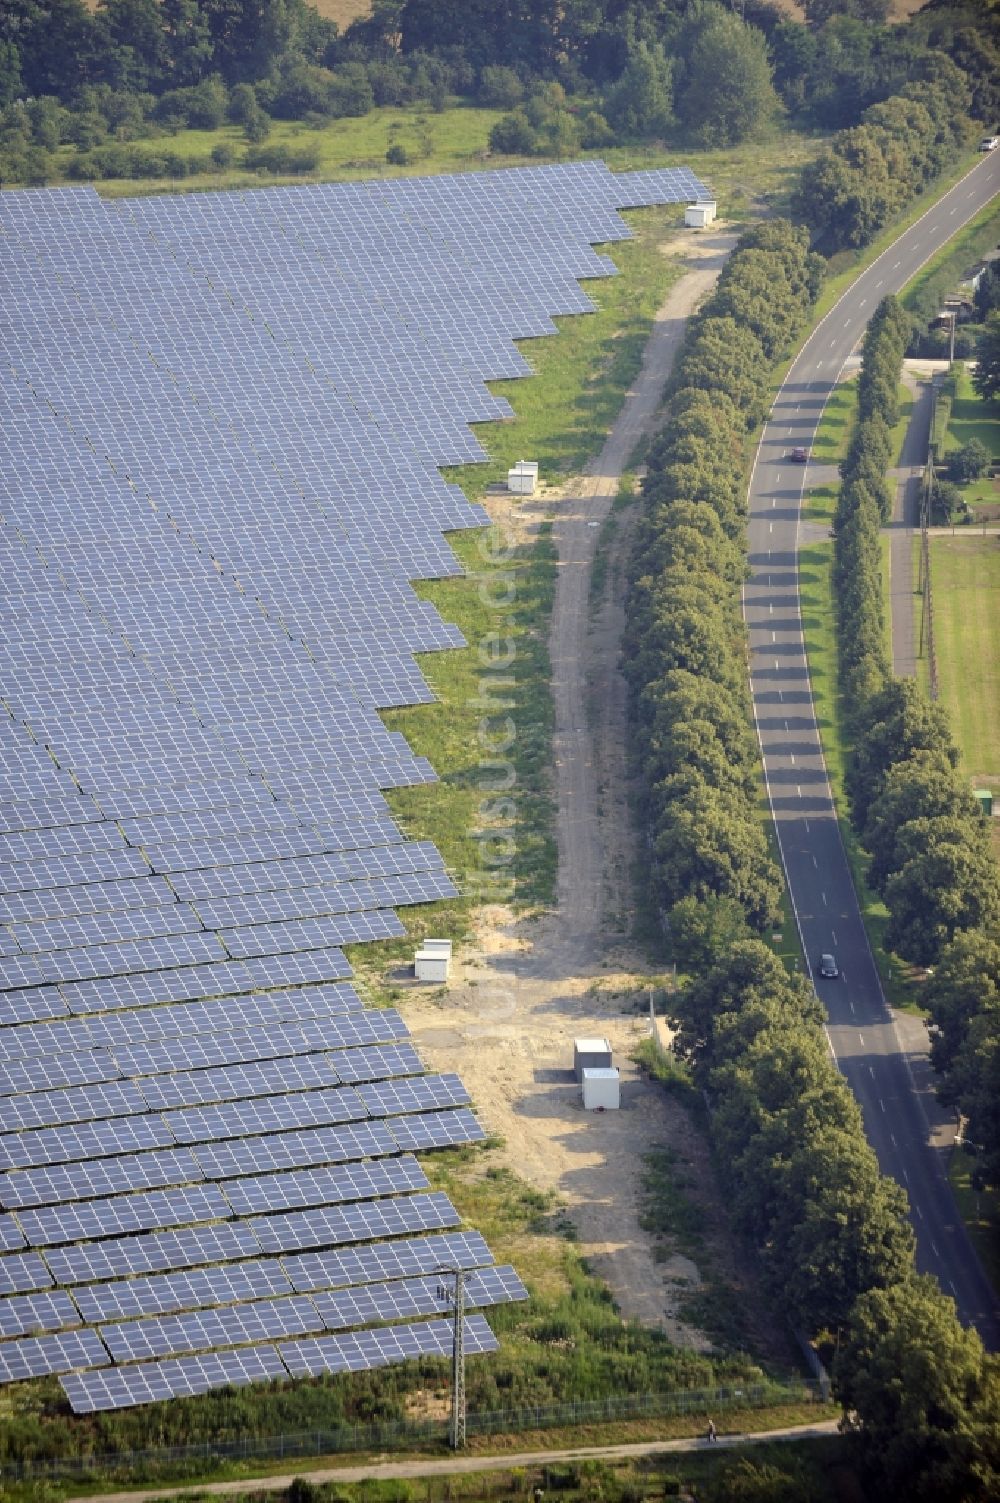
(800, 455)
(828, 967)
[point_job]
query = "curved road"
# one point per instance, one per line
(862, 1034)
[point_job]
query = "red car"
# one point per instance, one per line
(800, 456)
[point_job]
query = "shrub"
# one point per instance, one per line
(947, 502)
(514, 135)
(595, 131)
(243, 104)
(350, 91)
(290, 159)
(500, 88)
(970, 462)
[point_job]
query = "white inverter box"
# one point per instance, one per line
(601, 1090)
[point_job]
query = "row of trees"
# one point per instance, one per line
(685, 645)
(688, 70)
(831, 1233)
(870, 172)
(58, 47)
(931, 858)
(930, 852)
(712, 87)
(826, 71)
(804, 1186)
(131, 161)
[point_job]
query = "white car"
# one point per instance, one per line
(989, 143)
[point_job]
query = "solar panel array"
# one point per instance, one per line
(222, 421)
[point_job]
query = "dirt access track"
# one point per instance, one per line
(507, 1020)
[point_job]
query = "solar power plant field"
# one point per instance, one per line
(223, 418)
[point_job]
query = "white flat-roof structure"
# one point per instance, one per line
(700, 216)
(590, 1054)
(601, 1090)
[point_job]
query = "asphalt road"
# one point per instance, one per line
(862, 1035)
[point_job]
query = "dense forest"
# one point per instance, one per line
(569, 75)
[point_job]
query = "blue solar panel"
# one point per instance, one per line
(153, 1253)
(75, 1220)
(404, 1298)
(24, 1314)
(354, 1223)
(324, 1186)
(94, 1177)
(216, 507)
(405, 1256)
(361, 1351)
(22, 1271)
(161, 1294)
(230, 1325)
(58, 1145)
(290, 1150)
(35, 1356)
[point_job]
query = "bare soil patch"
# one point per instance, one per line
(527, 988)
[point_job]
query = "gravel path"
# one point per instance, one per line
(508, 1021)
(379, 1470)
(905, 521)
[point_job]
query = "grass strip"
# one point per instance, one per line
(979, 1209)
(819, 631)
(833, 436)
(905, 407)
(490, 804)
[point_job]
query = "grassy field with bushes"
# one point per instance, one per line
(745, 178)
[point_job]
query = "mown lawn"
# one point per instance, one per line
(971, 417)
(965, 579)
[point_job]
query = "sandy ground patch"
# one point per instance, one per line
(520, 996)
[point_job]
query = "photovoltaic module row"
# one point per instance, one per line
(222, 427)
(144, 1383)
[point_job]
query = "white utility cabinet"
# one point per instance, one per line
(590, 1054)
(700, 216)
(602, 1090)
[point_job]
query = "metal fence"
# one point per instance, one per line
(158, 1463)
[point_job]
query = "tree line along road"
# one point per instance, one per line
(861, 1031)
